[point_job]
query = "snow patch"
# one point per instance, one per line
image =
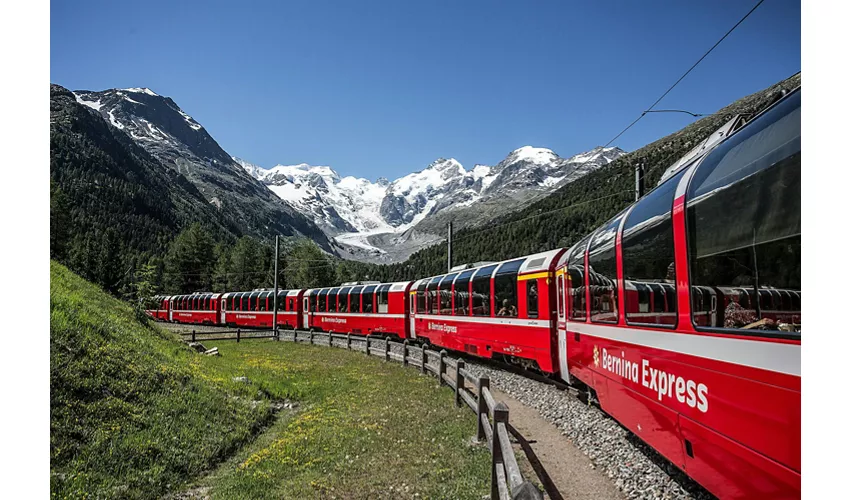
(95, 105)
(142, 90)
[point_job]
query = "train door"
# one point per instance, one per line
(411, 315)
(223, 303)
(561, 291)
(171, 310)
(306, 311)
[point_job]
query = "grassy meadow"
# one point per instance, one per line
(136, 414)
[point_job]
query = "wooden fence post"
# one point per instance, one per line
(386, 349)
(193, 335)
(424, 359)
(500, 414)
(348, 341)
(404, 352)
(458, 382)
(311, 337)
(367, 344)
(442, 367)
(483, 382)
(238, 334)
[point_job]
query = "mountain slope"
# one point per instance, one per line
(122, 204)
(181, 144)
(386, 221)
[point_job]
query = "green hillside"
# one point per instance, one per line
(128, 416)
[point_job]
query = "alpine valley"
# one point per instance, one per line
(382, 221)
(386, 221)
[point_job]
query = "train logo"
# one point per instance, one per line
(596, 356)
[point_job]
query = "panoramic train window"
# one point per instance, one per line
(367, 298)
(531, 298)
(446, 294)
(343, 299)
(332, 299)
(575, 281)
(505, 289)
(461, 294)
(255, 300)
(432, 295)
(322, 303)
(354, 298)
(602, 273)
(420, 297)
(383, 296)
(481, 304)
(648, 258)
(261, 302)
(313, 299)
(744, 229)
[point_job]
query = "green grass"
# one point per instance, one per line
(136, 414)
(367, 429)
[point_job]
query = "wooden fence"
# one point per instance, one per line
(506, 481)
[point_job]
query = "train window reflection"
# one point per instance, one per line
(481, 305)
(367, 299)
(383, 298)
(649, 272)
(531, 297)
(446, 294)
(354, 298)
(575, 281)
(433, 307)
(461, 294)
(744, 227)
(602, 274)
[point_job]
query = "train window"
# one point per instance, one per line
(648, 258)
(575, 281)
(446, 293)
(322, 304)
(560, 292)
(461, 294)
(245, 302)
(312, 301)
(432, 295)
(332, 299)
(343, 299)
(234, 303)
(253, 301)
(367, 298)
(505, 288)
(744, 228)
(354, 298)
(531, 299)
(420, 297)
(383, 298)
(261, 301)
(481, 304)
(602, 273)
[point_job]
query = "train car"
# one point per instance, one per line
(503, 309)
(358, 308)
(196, 308)
(255, 309)
(157, 307)
(682, 313)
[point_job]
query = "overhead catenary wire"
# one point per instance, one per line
(629, 126)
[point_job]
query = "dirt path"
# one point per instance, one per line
(561, 469)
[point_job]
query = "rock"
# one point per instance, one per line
(244, 380)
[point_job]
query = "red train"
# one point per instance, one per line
(682, 314)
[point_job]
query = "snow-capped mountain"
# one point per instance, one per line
(166, 132)
(357, 211)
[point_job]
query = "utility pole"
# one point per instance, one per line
(450, 248)
(276, 259)
(638, 181)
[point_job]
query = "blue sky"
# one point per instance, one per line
(382, 88)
